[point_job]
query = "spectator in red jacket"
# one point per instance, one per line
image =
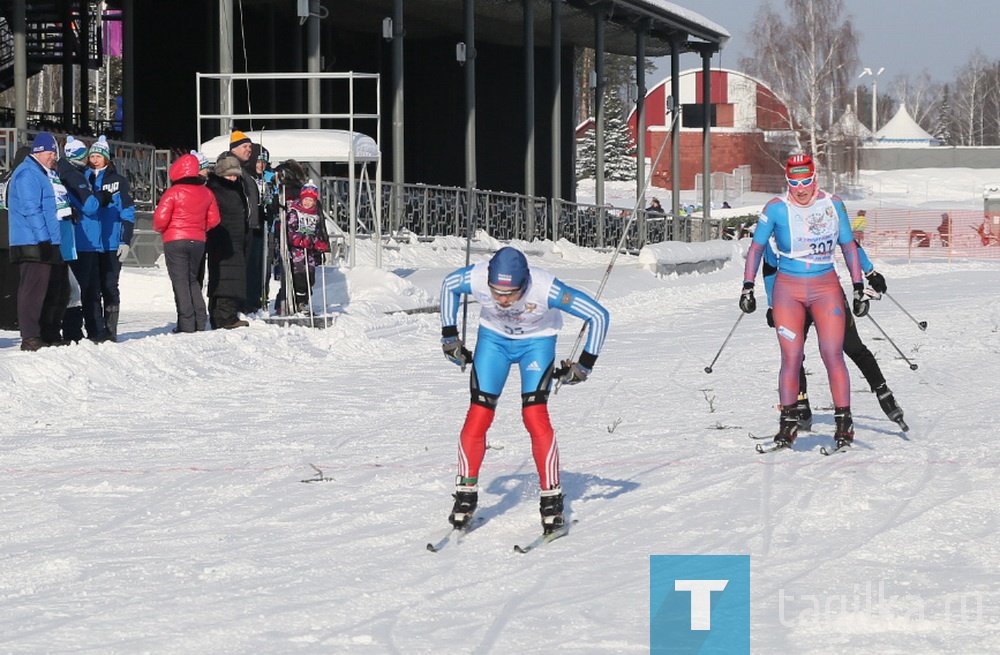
(184, 214)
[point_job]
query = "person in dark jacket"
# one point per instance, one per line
(185, 213)
(228, 245)
(34, 236)
(117, 223)
(83, 201)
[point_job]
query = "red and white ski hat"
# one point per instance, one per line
(799, 167)
(309, 190)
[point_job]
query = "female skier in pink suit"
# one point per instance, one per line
(807, 223)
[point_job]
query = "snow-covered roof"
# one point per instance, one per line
(902, 130)
(304, 145)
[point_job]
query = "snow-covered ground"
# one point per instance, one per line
(271, 489)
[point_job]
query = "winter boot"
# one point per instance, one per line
(788, 429)
(805, 413)
(72, 326)
(111, 320)
(551, 508)
(844, 431)
(466, 499)
(889, 405)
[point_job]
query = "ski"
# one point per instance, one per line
(544, 538)
(453, 535)
(839, 449)
(772, 448)
(760, 438)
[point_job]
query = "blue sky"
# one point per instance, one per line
(904, 36)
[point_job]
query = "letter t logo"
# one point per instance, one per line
(701, 600)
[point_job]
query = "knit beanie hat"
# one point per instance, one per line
(101, 147)
(75, 149)
(508, 269)
(309, 190)
(228, 165)
(203, 163)
(43, 142)
(237, 138)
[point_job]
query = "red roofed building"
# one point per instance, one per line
(749, 124)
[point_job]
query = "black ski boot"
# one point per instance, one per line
(551, 508)
(466, 499)
(111, 320)
(788, 429)
(890, 406)
(805, 413)
(843, 433)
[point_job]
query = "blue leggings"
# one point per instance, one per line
(495, 353)
(823, 297)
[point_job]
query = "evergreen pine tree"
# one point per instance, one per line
(941, 130)
(619, 149)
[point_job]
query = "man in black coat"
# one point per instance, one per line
(228, 245)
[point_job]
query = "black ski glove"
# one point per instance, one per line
(453, 348)
(877, 281)
(104, 197)
(747, 302)
(860, 300)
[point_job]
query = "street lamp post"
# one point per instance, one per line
(874, 74)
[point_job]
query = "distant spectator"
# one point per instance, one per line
(655, 208)
(944, 229)
(228, 245)
(859, 225)
(34, 236)
(117, 223)
(185, 213)
(307, 242)
(83, 202)
(725, 204)
(985, 232)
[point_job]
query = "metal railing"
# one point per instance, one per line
(429, 211)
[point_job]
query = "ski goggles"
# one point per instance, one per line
(504, 292)
(805, 181)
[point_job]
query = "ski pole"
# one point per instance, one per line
(468, 260)
(639, 201)
(913, 366)
(708, 369)
(920, 324)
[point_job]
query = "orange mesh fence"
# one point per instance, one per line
(930, 233)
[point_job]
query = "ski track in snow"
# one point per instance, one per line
(153, 496)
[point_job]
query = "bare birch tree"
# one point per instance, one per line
(807, 54)
(967, 102)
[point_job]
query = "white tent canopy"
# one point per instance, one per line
(849, 127)
(304, 145)
(903, 131)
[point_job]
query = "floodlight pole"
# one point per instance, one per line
(874, 74)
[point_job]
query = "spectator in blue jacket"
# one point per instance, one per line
(117, 222)
(34, 236)
(83, 201)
